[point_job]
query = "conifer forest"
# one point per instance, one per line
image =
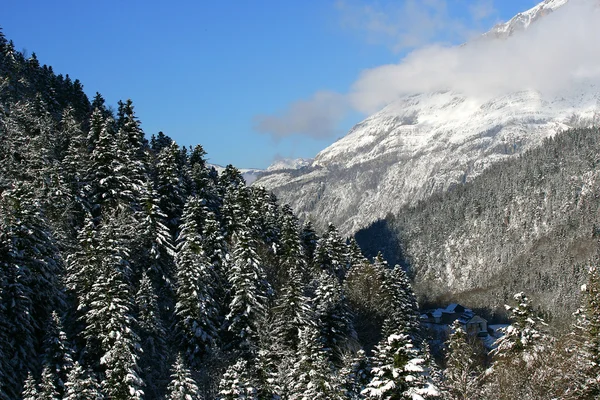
(131, 269)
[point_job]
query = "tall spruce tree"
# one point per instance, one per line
(249, 291)
(195, 310)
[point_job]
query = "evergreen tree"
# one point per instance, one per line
(58, 354)
(31, 272)
(109, 320)
(355, 374)
(331, 254)
(47, 388)
(398, 371)
(169, 184)
(403, 308)
(309, 242)
(463, 369)
(334, 316)
(195, 308)
(238, 382)
(524, 336)
(182, 386)
(249, 291)
(30, 390)
(81, 386)
(312, 375)
(152, 338)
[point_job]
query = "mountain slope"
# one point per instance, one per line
(426, 143)
(528, 224)
(420, 145)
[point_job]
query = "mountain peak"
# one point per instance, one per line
(523, 20)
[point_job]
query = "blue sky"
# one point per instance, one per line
(226, 74)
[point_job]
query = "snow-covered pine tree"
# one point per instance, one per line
(355, 374)
(313, 375)
(334, 317)
(204, 179)
(525, 337)
(128, 123)
(292, 308)
(238, 382)
(236, 201)
(110, 325)
(75, 169)
(30, 389)
(156, 248)
(31, 271)
(153, 337)
(398, 371)
(331, 254)
(309, 242)
(585, 347)
(182, 385)
(81, 385)
(58, 357)
(403, 308)
(196, 310)
(47, 388)
(169, 184)
(249, 291)
(463, 369)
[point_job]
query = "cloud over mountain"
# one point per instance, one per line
(553, 54)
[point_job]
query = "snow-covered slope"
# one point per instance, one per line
(250, 174)
(289, 163)
(523, 20)
(425, 143)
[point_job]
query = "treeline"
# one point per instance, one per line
(527, 224)
(129, 269)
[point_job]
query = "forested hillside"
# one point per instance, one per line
(530, 223)
(130, 269)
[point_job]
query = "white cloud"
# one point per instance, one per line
(556, 52)
(317, 117)
(407, 24)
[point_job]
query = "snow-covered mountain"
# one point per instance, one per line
(523, 20)
(426, 143)
(250, 174)
(289, 163)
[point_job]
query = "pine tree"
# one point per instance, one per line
(525, 335)
(81, 386)
(182, 386)
(334, 316)
(355, 374)
(463, 370)
(31, 271)
(309, 241)
(249, 291)
(58, 354)
(47, 388)
(398, 371)
(403, 308)
(331, 254)
(312, 376)
(169, 184)
(152, 338)
(30, 390)
(109, 320)
(196, 308)
(292, 309)
(585, 379)
(238, 382)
